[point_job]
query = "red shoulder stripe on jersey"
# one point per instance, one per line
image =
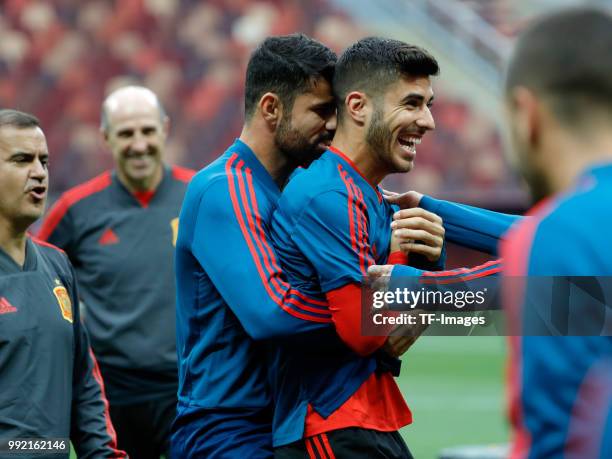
(45, 244)
(309, 449)
(319, 447)
(273, 275)
(462, 271)
(70, 198)
(357, 221)
(354, 166)
(182, 174)
(110, 430)
(362, 228)
(269, 253)
(464, 275)
(245, 233)
(365, 237)
(327, 446)
(350, 210)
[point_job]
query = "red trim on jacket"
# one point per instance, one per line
(182, 174)
(70, 198)
(515, 250)
(45, 244)
(110, 430)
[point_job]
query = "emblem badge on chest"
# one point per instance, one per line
(63, 299)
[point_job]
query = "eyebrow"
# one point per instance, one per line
(21, 153)
(413, 96)
(27, 154)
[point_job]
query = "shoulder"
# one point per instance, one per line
(320, 181)
(85, 190)
(215, 184)
(53, 255)
(561, 236)
(182, 174)
(71, 199)
(322, 208)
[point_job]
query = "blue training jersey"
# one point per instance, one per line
(330, 225)
(231, 293)
(561, 386)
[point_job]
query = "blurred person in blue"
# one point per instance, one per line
(559, 98)
(559, 102)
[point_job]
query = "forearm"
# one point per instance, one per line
(472, 227)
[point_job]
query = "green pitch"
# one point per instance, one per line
(455, 389)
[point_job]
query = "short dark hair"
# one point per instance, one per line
(564, 57)
(372, 63)
(15, 118)
(286, 65)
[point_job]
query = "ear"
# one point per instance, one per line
(357, 106)
(271, 109)
(166, 126)
(526, 111)
(104, 134)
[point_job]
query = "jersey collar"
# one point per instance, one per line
(8, 264)
(143, 198)
(353, 166)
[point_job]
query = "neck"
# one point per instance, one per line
(268, 154)
(569, 156)
(148, 184)
(354, 146)
(13, 241)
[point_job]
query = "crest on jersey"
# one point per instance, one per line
(63, 298)
(174, 225)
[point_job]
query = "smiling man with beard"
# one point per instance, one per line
(231, 291)
(330, 225)
(119, 231)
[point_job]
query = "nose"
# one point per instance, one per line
(426, 121)
(38, 171)
(139, 143)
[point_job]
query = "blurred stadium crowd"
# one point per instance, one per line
(59, 59)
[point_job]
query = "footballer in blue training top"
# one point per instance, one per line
(330, 226)
(231, 290)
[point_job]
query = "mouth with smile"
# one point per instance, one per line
(408, 143)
